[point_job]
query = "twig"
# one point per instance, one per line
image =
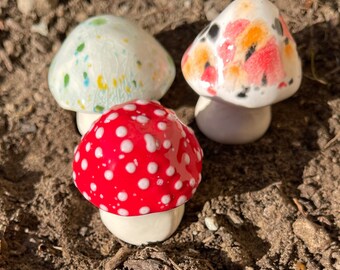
(300, 207)
(175, 265)
(336, 137)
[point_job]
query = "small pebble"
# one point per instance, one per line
(211, 223)
(40, 28)
(83, 231)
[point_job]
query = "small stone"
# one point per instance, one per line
(25, 6)
(315, 237)
(40, 28)
(83, 231)
(211, 223)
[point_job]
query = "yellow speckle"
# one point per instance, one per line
(128, 89)
(98, 36)
(141, 83)
(101, 84)
(125, 40)
(114, 82)
(121, 78)
(289, 50)
(80, 103)
(155, 75)
(89, 65)
(67, 102)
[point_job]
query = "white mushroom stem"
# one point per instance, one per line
(230, 124)
(138, 230)
(85, 121)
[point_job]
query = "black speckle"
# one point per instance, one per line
(250, 51)
(207, 64)
(286, 41)
(204, 30)
(244, 92)
(202, 39)
(213, 31)
(242, 95)
(291, 81)
(257, 88)
(278, 27)
(264, 79)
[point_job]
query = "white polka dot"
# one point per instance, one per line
(88, 147)
(84, 164)
(185, 144)
(75, 183)
(160, 182)
(144, 210)
(166, 144)
(122, 196)
(98, 152)
(93, 187)
(121, 156)
(178, 184)
(123, 212)
(186, 158)
(99, 133)
(159, 112)
(74, 176)
(161, 126)
(170, 171)
(142, 102)
(130, 167)
(199, 177)
(129, 107)
(183, 133)
(108, 175)
(165, 199)
(142, 119)
(152, 167)
(86, 196)
(101, 196)
(182, 199)
(103, 207)
(111, 117)
(75, 149)
(198, 155)
(77, 156)
(121, 132)
(126, 146)
(144, 183)
(192, 182)
(150, 143)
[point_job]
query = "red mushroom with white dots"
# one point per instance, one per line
(139, 164)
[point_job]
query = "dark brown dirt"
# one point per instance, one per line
(275, 202)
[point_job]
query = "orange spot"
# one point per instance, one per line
(282, 84)
(234, 71)
(288, 50)
(211, 91)
(255, 33)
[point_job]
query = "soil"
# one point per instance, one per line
(271, 204)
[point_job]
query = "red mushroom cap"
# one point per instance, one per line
(138, 158)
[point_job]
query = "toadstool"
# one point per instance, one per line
(104, 61)
(241, 63)
(138, 164)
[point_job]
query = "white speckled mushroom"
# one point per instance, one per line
(241, 63)
(108, 60)
(139, 165)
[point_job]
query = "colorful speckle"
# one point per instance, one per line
(81, 47)
(98, 21)
(127, 89)
(99, 108)
(66, 80)
(126, 40)
(134, 83)
(139, 64)
(81, 104)
(101, 84)
(86, 79)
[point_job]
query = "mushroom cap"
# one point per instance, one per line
(138, 158)
(246, 56)
(108, 60)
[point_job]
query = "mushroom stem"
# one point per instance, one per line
(85, 121)
(143, 229)
(230, 124)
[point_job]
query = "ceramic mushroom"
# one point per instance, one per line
(241, 63)
(138, 164)
(105, 61)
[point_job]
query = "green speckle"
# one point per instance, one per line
(81, 47)
(85, 75)
(66, 80)
(99, 108)
(134, 83)
(98, 21)
(139, 63)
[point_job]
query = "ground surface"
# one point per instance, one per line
(275, 202)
